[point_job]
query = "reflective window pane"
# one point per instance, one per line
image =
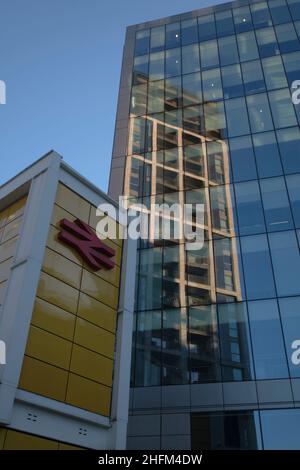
(174, 347)
(224, 23)
(279, 11)
(173, 270)
(237, 117)
(289, 144)
(173, 93)
(173, 35)
(150, 287)
(249, 208)
(209, 54)
(215, 122)
(189, 33)
(206, 27)
(232, 81)
(236, 356)
(282, 108)
(157, 41)
(222, 210)
(203, 344)
(287, 38)
(267, 341)
(156, 97)
(294, 7)
(217, 158)
(242, 159)
(191, 85)
(280, 429)
(253, 77)
(293, 184)
(228, 50)
(156, 66)
(194, 165)
(274, 73)
(242, 19)
(229, 275)
(267, 43)
(173, 62)
(142, 41)
(190, 59)
(138, 99)
(148, 349)
(276, 204)
(140, 69)
(247, 46)
(286, 262)
(289, 310)
(212, 86)
(259, 113)
(267, 155)
(260, 15)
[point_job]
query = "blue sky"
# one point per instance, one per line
(61, 62)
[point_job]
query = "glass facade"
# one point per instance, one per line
(212, 119)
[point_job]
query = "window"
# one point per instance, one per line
(191, 85)
(267, 341)
(235, 342)
(194, 165)
(274, 73)
(156, 97)
(292, 66)
(203, 344)
(173, 35)
(138, 99)
(224, 23)
(190, 59)
(228, 50)
(173, 62)
(267, 155)
(294, 7)
(293, 184)
(217, 155)
(193, 119)
(212, 86)
(228, 272)
(209, 54)
(150, 279)
(156, 66)
(138, 135)
(206, 27)
(253, 77)
(282, 108)
(189, 33)
(287, 38)
(173, 262)
(142, 40)
(242, 19)
(276, 204)
(198, 261)
(237, 117)
(140, 69)
(215, 122)
(173, 94)
(242, 159)
(247, 46)
(260, 15)
(280, 429)
(148, 349)
(289, 145)
(157, 41)
(290, 309)
(286, 262)
(249, 208)
(222, 209)
(267, 43)
(232, 81)
(259, 113)
(279, 11)
(174, 347)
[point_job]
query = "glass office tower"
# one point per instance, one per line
(206, 115)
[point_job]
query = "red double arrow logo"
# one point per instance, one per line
(82, 238)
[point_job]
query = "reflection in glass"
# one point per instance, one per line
(276, 204)
(267, 43)
(237, 117)
(267, 155)
(148, 349)
(174, 347)
(247, 46)
(253, 77)
(206, 27)
(232, 81)
(242, 159)
(289, 145)
(228, 50)
(260, 15)
(224, 23)
(274, 73)
(259, 113)
(280, 429)
(290, 318)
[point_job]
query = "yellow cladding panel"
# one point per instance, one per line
(112, 228)
(96, 312)
(1, 233)
(53, 319)
(48, 348)
(21, 441)
(88, 395)
(91, 365)
(3, 217)
(58, 214)
(99, 289)
(43, 379)
(73, 203)
(7, 250)
(57, 293)
(2, 292)
(11, 230)
(62, 446)
(61, 268)
(109, 275)
(2, 437)
(95, 338)
(16, 209)
(118, 249)
(61, 247)
(5, 269)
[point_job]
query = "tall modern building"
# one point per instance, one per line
(206, 115)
